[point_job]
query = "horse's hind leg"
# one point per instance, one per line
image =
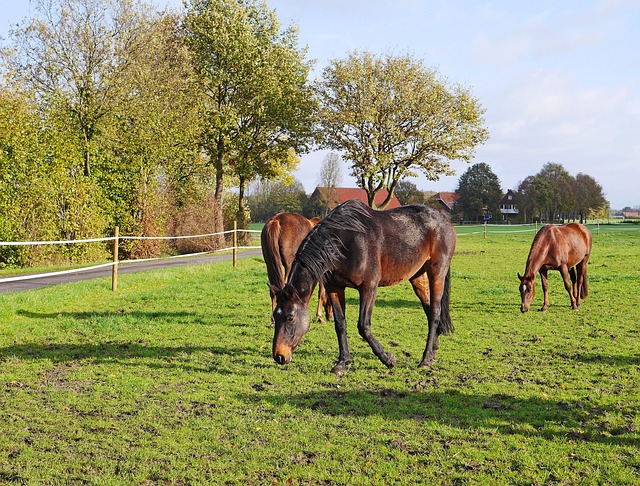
(574, 282)
(430, 299)
(321, 295)
(323, 303)
(367, 298)
(564, 271)
(581, 281)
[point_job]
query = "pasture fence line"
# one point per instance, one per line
(465, 230)
(116, 238)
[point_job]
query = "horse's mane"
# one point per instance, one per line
(323, 247)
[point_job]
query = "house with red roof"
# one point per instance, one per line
(447, 200)
(324, 199)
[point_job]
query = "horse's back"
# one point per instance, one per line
(401, 241)
(578, 237)
(416, 226)
(293, 229)
(568, 244)
(281, 236)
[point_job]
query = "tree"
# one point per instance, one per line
(330, 174)
(394, 118)
(40, 197)
(267, 198)
(254, 77)
(72, 54)
(478, 192)
(408, 193)
(559, 198)
(330, 178)
(150, 143)
(589, 196)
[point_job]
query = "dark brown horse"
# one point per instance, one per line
(281, 236)
(358, 247)
(565, 248)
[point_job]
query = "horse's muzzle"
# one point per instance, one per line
(523, 309)
(282, 357)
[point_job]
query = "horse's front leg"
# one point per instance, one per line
(338, 303)
(367, 298)
(545, 290)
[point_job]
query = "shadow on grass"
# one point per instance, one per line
(611, 360)
(86, 315)
(139, 353)
(536, 417)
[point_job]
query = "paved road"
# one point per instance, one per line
(37, 283)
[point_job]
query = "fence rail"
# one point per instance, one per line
(116, 240)
(460, 230)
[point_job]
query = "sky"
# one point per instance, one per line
(559, 80)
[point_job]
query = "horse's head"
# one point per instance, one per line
(527, 291)
(291, 318)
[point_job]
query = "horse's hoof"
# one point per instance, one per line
(426, 363)
(320, 319)
(338, 369)
(390, 360)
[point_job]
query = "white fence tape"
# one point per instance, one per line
(53, 274)
(110, 264)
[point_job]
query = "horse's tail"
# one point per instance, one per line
(445, 326)
(271, 252)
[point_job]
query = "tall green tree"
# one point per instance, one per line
(41, 198)
(394, 118)
(72, 52)
(149, 145)
(559, 196)
(478, 192)
(589, 196)
(266, 198)
(254, 78)
(408, 193)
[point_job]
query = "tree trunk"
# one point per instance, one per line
(219, 170)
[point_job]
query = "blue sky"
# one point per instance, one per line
(560, 80)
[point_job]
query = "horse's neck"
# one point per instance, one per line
(301, 279)
(534, 263)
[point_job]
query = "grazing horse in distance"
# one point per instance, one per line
(565, 248)
(281, 236)
(358, 247)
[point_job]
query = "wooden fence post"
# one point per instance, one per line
(235, 244)
(114, 271)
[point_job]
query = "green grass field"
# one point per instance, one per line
(170, 381)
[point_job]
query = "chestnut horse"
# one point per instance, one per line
(565, 248)
(358, 247)
(281, 236)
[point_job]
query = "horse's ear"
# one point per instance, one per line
(290, 292)
(520, 276)
(273, 288)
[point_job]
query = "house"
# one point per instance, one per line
(324, 199)
(447, 200)
(507, 205)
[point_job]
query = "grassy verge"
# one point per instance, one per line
(170, 381)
